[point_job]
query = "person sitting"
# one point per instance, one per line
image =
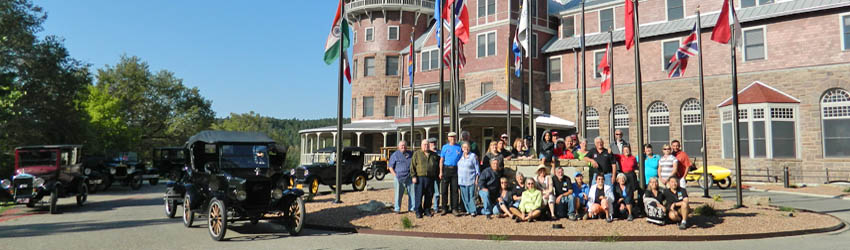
(531, 203)
(580, 192)
(623, 194)
(655, 211)
(544, 184)
(562, 152)
(488, 184)
(521, 150)
(506, 198)
(562, 188)
(676, 202)
(517, 190)
(600, 199)
(504, 150)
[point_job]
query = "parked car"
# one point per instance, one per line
(43, 174)
(169, 161)
(235, 176)
(377, 167)
(323, 171)
(129, 170)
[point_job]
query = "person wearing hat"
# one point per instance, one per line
(544, 184)
(466, 138)
(580, 191)
(449, 157)
(433, 142)
(508, 146)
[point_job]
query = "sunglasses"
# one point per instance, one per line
(618, 134)
(666, 149)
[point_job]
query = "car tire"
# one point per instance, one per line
(136, 182)
(314, 186)
(380, 174)
(188, 214)
(359, 182)
(725, 183)
(107, 183)
(370, 172)
(154, 181)
(170, 208)
(701, 182)
(54, 197)
(83, 194)
(217, 219)
(295, 218)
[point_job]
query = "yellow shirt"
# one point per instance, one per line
(531, 200)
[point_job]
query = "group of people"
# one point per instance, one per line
(465, 184)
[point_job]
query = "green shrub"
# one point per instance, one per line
(847, 190)
(717, 198)
(787, 209)
(406, 223)
(497, 237)
(705, 210)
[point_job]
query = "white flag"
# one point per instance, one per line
(522, 27)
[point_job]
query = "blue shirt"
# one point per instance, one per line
(650, 166)
(467, 170)
(451, 155)
(400, 163)
(578, 191)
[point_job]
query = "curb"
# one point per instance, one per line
(800, 194)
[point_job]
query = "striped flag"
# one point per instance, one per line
(447, 56)
(677, 64)
(410, 66)
(339, 29)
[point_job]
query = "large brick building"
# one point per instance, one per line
(793, 74)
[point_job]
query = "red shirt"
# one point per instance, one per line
(627, 163)
(563, 153)
(684, 163)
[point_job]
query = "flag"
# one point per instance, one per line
(438, 17)
(410, 67)
(521, 38)
(338, 29)
(462, 16)
(346, 69)
(722, 33)
(447, 55)
(677, 64)
(605, 67)
(629, 24)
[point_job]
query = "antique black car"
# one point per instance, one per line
(129, 170)
(323, 170)
(47, 172)
(169, 161)
(235, 176)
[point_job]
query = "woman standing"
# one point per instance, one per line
(667, 165)
(492, 153)
(467, 176)
(628, 162)
(547, 147)
(650, 164)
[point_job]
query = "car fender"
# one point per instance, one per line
(193, 191)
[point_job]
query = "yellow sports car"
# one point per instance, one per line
(719, 175)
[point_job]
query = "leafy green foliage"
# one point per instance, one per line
(787, 209)
(497, 237)
(705, 210)
(406, 223)
(846, 190)
(717, 198)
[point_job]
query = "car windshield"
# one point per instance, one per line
(173, 155)
(125, 157)
(37, 158)
(244, 156)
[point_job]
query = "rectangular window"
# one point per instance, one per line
(354, 69)
(606, 20)
(392, 33)
(752, 3)
(486, 87)
(784, 145)
(353, 107)
(554, 70)
(491, 7)
(435, 59)
(370, 34)
(759, 141)
(597, 59)
(836, 141)
(754, 48)
(670, 48)
(368, 109)
(846, 31)
(425, 61)
(534, 46)
(370, 66)
(491, 44)
(675, 9)
(392, 65)
(744, 139)
(482, 45)
(533, 5)
(591, 133)
(430, 60)
(727, 140)
(462, 93)
(568, 27)
(487, 44)
(692, 140)
(658, 136)
(390, 103)
(486, 7)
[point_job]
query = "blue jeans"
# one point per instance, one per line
(467, 195)
(567, 203)
(485, 200)
(436, 194)
(400, 185)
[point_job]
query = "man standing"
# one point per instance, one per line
(432, 142)
(619, 142)
(473, 147)
(399, 166)
(603, 161)
(449, 156)
(423, 168)
(684, 162)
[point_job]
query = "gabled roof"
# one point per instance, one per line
(758, 92)
(420, 41)
(492, 102)
(745, 15)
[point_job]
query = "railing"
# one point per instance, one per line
(310, 158)
(426, 6)
(431, 108)
(369, 158)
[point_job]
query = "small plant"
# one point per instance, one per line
(612, 238)
(706, 210)
(847, 190)
(497, 237)
(717, 198)
(787, 209)
(406, 223)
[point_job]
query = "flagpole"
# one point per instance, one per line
(412, 87)
(735, 131)
(578, 95)
(638, 92)
(508, 88)
(454, 70)
(583, 79)
(611, 82)
(339, 103)
(530, 34)
(702, 108)
(442, 84)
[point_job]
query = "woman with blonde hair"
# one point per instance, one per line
(492, 153)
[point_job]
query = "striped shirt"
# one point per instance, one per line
(666, 166)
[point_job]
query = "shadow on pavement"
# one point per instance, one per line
(97, 206)
(267, 231)
(42, 229)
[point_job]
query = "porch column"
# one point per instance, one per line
(319, 136)
(358, 137)
(427, 134)
(385, 138)
(334, 143)
(422, 105)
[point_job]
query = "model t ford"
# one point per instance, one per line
(169, 161)
(126, 168)
(47, 172)
(323, 170)
(235, 176)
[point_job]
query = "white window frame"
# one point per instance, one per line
(684, 10)
(549, 68)
(366, 34)
(486, 9)
(596, 64)
(535, 47)
(841, 28)
(422, 60)
(574, 25)
(592, 118)
(398, 65)
(759, 4)
(768, 127)
(354, 69)
(663, 62)
(613, 17)
(685, 111)
(621, 116)
(744, 41)
(397, 33)
(486, 44)
(823, 106)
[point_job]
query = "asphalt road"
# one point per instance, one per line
(125, 219)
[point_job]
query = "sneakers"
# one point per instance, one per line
(683, 225)
(572, 217)
(489, 217)
(609, 219)
(631, 218)
(419, 215)
(474, 214)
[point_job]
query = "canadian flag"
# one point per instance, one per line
(722, 33)
(605, 67)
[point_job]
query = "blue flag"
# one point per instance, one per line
(438, 5)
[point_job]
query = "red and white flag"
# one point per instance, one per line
(722, 33)
(447, 55)
(629, 24)
(605, 68)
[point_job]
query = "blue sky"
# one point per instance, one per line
(262, 56)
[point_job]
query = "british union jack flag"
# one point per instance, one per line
(677, 64)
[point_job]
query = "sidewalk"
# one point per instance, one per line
(838, 207)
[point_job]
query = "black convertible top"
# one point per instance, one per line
(209, 136)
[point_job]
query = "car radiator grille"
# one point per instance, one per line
(259, 193)
(23, 187)
(120, 171)
(299, 173)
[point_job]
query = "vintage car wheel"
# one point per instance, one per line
(370, 172)
(314, 186)
(217, 219)
(106, 183)
(153, 181)
(170, 208)
(188, 214)
(296, 217)
(701, 181)
(359, 182)
(725, 183)
(136, 182)
(380, 174)
(83, 195)
(54, 197)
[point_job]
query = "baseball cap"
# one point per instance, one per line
(554, 132)
(577, 174)
(452, 134)
(504, 135)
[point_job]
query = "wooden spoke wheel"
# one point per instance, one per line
(188, 214)
(359, 183)
(296, 217)
(217, 219)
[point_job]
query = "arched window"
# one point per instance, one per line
(835, 115)
(621, 119)
(659, 125)
(692, 128)
(592, 124)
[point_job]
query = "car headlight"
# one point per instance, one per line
(306, 172)
(241, 195)
(38, 182)
(112, 170)
(87, 171)
(6, 184)
(277, 193)
(292, 171)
